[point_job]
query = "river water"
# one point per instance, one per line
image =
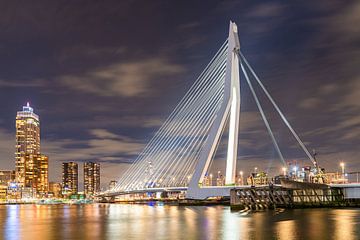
(120, 221)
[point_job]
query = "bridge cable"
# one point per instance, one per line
(279, 111)
(263, 115)
(139, 170)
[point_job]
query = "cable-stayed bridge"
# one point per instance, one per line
(179, 155)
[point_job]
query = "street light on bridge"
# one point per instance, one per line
(241, 177)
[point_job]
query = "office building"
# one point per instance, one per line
(36, 173)
(27, 140)
(70, 178)
(42, 174)
(91, 178)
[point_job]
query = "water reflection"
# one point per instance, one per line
(346, 224)
(115, 221)
(286, 230)
(11, 222)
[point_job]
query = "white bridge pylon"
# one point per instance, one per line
(180, 153)
(229, 109)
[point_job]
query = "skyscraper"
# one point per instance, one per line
(91, 178)
(70, 178)
(42, 174)
(27, 140)
(36, 173)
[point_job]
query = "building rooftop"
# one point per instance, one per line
(27, 112)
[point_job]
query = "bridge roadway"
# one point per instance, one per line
(350, 190)
(171, 189)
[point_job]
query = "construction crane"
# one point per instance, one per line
(319, 174)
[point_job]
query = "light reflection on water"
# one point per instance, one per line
(115, 221)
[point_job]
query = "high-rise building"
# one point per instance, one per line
(36, 173)
(91, 178)
(27, 140)
(42, 174)
(70, 178)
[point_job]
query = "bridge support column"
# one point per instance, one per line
(229, 109)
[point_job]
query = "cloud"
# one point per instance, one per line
(126, 122)
(354, 134)
(188, 26)
(104, 145)
(24, 83)
(89, 51)
(123, 79)
(336, 23)
(266, 10)
(264, 18)
(344, 23)
(350, 121)
(352, 98)
(310, 103)
(151, 122)
(103, 133)
(328, 88)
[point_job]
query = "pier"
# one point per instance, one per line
(292, 194)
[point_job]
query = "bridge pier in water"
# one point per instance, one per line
(289, 194)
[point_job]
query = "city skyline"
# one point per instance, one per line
(133, 119)
(85, 121)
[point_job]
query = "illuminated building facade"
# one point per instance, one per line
(91, 178)
(55, 189)
(36, 173)
(30, 166)
(3, 193)
(70, 176)
(27, 140)
(42, 174)
(6, 176)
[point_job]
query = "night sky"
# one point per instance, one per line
(103, 75)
